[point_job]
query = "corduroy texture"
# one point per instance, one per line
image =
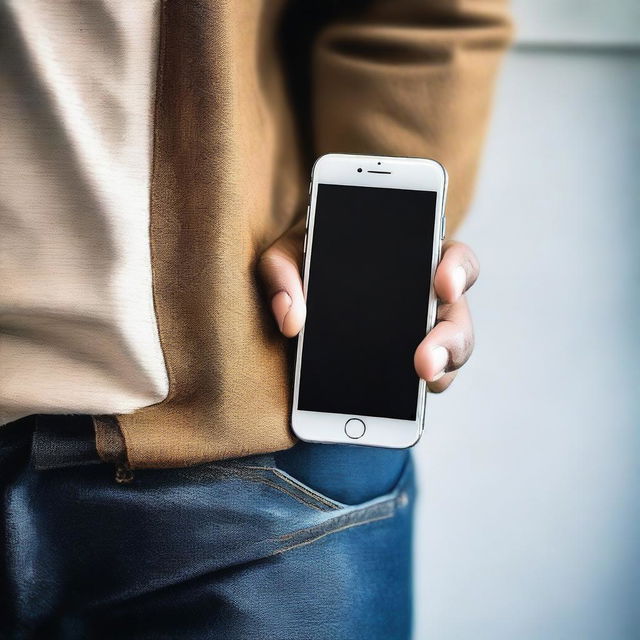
(248, 93)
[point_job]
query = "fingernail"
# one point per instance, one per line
(280, 305)
(459, 281)
(440, 359)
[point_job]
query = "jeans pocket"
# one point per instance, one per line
(273, 511)
(333, 516)
(265, 470)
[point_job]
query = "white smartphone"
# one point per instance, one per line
(374, 230)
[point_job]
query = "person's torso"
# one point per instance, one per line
(148, 156)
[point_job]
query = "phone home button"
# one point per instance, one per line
(355, 428)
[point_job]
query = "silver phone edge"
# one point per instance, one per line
(433, 301)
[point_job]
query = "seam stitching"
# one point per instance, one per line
(353, 517)
(292, 495)
(253, 477)
(308, 491)
(328, 533)
(312, 494)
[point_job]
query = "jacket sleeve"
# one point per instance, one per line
(411, 78)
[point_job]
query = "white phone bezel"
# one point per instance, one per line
(406, 173)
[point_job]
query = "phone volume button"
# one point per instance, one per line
(304, 248)
(306, 222)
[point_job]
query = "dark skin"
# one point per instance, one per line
(445, 348)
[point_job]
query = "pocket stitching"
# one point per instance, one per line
(390, 496)
(332, 504)
(300, 499)
(303, 494)
(252, 476)
(331, 531)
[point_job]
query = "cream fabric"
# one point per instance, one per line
(78, 332)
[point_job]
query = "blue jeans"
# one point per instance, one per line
(313, 543)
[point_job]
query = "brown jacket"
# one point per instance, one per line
(248, 93)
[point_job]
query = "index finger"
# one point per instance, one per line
(457, 271)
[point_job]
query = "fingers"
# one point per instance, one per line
(280, 273)
(447, 346)
(457, 271)
(450, 343)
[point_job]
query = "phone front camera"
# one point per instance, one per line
(360, 170)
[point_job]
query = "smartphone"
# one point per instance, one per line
(375, 225)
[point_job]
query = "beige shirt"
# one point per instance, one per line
(78, 332)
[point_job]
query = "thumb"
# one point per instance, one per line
(280, 274)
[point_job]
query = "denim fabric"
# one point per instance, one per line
(240, 549)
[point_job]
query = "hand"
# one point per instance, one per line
(445, 348)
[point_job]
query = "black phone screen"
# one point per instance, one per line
(367, 300)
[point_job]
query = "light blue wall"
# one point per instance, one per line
(571, 22)
(529, 519)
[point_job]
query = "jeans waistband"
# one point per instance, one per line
(63, 441)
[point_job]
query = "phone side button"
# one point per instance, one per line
(304, 248)
(444, 227)
(355, 428)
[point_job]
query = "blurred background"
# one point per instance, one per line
(529, 516)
